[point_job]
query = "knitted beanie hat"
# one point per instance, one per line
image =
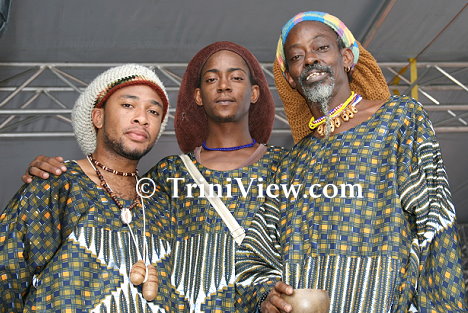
(190, 119)
(101, 88)
(367, 77)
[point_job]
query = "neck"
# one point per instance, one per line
(335, 100)
(115, 161)
(224, 135)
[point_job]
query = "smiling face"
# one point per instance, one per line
(226, 91)
(130, 121)
(315, 62)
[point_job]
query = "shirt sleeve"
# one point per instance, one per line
(258, 263)
(436, 283)
(30, 234)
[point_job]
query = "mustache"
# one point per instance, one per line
(317, 67)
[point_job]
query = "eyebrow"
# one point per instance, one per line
(132, 97)
(230, 70)
(296, 45)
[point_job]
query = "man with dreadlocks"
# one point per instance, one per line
(394, 247)
(222, 129)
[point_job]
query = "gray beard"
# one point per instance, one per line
(320, 93)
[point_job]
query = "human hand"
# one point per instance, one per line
(274, 303)
(42, 166)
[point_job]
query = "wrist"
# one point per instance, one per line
(262, 299)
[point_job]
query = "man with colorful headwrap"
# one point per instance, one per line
(224, 117)
(73, 242)
(395, 248)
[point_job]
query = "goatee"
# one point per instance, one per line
(118, 147)
(319, 92)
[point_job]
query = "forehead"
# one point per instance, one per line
(138, 91)
(225, 59)
(308, 30)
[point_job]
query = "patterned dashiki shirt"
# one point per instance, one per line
(395, 249)
(63, 248)
(204, 277)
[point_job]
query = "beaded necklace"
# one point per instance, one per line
(126, 214)
(142, 272)
(343, 112)
(96, 162)
(229, 148)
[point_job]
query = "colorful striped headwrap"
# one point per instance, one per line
(367, 77)
(333, 22)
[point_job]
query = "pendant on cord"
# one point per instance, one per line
(126, 216)
(146, 274)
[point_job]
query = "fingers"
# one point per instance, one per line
(274, 303)
(283, 288)
(26, 178)
(53, 165)
(42, 166)
(280, 303)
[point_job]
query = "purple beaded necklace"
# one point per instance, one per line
(229, 148)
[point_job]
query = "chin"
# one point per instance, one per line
(225, 118)
(133, 153)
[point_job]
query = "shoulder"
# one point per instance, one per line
(43, 192)
(165, 165)
(274, 154)
(404, 104)
(74, 174)
(276, 149)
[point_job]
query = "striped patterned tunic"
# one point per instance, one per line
(390, 246)
(204, 252)
(63, 248)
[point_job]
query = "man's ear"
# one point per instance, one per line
(97, 116)
(255, 93)
(197, 96)
(348, 57)
(290, 80)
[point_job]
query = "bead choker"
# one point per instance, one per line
(97, 163)
(126, 214)
(229, 148)
(343, 112)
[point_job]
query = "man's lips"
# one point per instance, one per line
(137, 134)
(315, 75)
(225, 101)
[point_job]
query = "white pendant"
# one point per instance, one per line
(126, 216)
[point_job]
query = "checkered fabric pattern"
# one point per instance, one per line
(204, 251)
(393, 250)
(63, 248)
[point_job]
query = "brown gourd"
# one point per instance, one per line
(150, 286)
(137, 273)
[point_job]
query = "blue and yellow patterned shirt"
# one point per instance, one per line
(63, 248)
(204, 252)
(391, 248)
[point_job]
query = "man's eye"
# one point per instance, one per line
(210, 80)
(323, 48)
(154, 112)
(238, 78)
(126, 105)
(295, 58)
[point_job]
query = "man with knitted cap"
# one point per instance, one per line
(388, 242)
(80, 242)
